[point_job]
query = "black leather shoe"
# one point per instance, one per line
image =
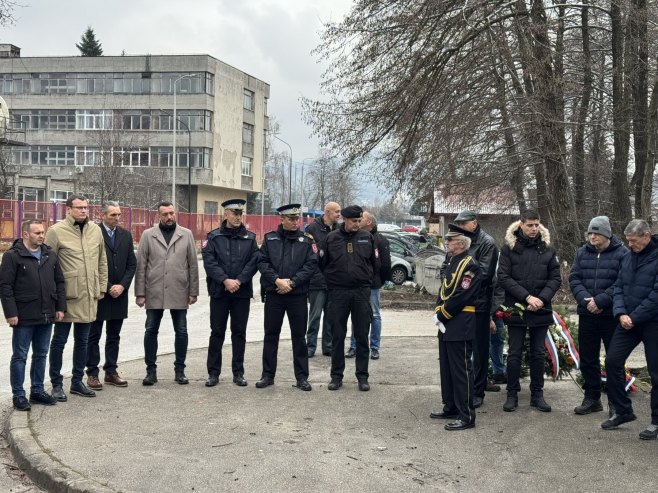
(239, 380)
(58, 393)
(42, 398)
(374, 354)
(443, 415)
(264, 382)
(540, 403)
(304, 385)
(150, 379)
(650, 433)
(458, 424)
(80, 388)
(364, 386)
(492, 387)
(511, 403)
(588, 406)
(180, 377)
(350, 353)
(616, 420)
(212, 380)
(477, 401)
(21, 403)
(335, 384)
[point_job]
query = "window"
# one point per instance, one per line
(93, 120)
(46, 119)
(88, 156)
(265, 106)
(138, 157)
(247, 164)
(136, 120)
(31, 194)
(59, 195)
(210, 207)
(248, 101)
(46, 155)
(247, 133)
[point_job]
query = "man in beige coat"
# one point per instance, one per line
(79, 246)
(167, 278)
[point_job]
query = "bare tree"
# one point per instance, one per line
(7, 172)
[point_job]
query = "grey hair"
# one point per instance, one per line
(108, 204)
(465, 240)
(372, 217)
(637, 227)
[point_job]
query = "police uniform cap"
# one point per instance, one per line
(464, 216)
(352, 212)
(290, 210)
(454, 230)
(234, 204)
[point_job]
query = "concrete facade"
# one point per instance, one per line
(74, 108)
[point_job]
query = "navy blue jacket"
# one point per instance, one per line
(636, 289)
(230, 253)
(287, 255)
(319, 231)
(593, 275)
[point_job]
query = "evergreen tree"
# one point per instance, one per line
(89, 45)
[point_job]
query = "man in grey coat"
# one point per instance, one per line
(167, 278)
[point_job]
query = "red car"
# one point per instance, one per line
(410, 229)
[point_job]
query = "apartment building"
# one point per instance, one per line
(116, 113)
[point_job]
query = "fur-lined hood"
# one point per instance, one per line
(510, 234)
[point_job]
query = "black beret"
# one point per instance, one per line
(352, 212)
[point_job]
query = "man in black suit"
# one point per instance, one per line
(113, 308)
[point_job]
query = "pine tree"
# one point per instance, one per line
(89, 45)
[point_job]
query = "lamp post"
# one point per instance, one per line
(189, 159)
(302, 185)
(289, 167)
(173, 169)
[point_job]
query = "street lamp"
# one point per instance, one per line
(302, 185)
(289, 168)
(173, 172)
(189, 159)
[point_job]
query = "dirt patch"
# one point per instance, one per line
(407, 297)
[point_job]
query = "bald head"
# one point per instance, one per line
(331, 213)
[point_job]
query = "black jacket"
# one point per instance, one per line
(319, 231)
(350, 259)
(230, 253)
(30, 290)
(287, 255)
(593, 275)
(636, 288)
(455, 305)
(382, 274)
(529, 267)
(121, 266)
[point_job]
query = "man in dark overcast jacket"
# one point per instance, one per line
(591, 280)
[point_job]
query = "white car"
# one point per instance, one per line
(389, 227)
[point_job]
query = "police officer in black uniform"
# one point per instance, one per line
(455, 317)
(349, 262)
(230, 258)
(288, 260)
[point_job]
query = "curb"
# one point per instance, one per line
(40, 465)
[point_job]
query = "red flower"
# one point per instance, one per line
(499, 314)
(507, 316)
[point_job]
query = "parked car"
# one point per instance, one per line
(410, 229)
(381, 227)
(403, 262)
(401, 237)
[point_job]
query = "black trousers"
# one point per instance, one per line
(276, 306)
(622, 344)
(481, 353)
(457, 378)
(343, 303)
(220, 309)
(537, 358)
(591, 331)
(112, 339)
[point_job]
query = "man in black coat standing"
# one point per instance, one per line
(33, 293)
(113, 308)
(317, 295)
(484, 250)
(529, 273)
(287, 261)
(230, 259)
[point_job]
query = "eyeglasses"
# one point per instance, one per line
(80, 207)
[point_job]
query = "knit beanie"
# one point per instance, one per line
(600, 225)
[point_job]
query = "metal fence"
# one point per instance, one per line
(14, 212)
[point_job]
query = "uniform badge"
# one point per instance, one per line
(376, 253)
(314, 247)
(301, 238)
(466, 282)
(350, 248)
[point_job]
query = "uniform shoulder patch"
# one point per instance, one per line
(309, 235)
(467, 279)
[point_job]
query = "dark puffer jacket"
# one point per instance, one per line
(484, 250)
(529, 267)
(593, 275)
(30, 290)
(319, 231)
(636, 289)
(231, 253)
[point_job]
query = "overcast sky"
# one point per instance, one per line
(269, 39)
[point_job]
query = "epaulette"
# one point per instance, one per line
(310, 236)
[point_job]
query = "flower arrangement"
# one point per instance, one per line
(561, 352)
(506, 313)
